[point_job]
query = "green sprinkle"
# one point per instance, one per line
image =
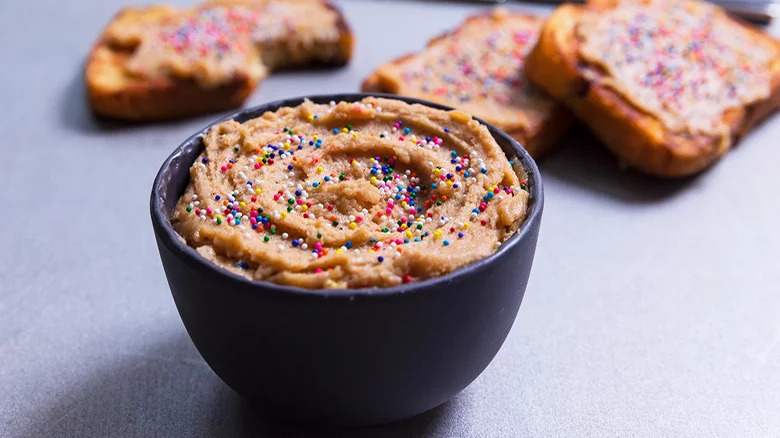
(266, 239)
(189, 209)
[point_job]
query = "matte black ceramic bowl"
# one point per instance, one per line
(354, 356)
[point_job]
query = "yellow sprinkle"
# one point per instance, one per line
(311, 117)
(437, 234)
(437, 172)
(352, 225)
(373, 180)
(304, 207)
(319, 169)
(315, 138)
(259, 159)
(449, 183)
(242, 204)
(354, 135)
(404, 204)
(344, 130)
(339, 251)
(258, 191)
(284, 214)
(408, 233)
(465, 225)
(371, 250)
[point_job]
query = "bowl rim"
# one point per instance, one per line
(166, 234)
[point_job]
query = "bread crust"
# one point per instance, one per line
(539, 140)
(636, 136)
(112, 93)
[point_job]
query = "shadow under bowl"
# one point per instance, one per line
(351, 356)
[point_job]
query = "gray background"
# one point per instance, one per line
(653, 307)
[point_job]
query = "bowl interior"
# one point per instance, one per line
(173, 178)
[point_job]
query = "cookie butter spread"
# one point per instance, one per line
(215, 42)
(478, 68)
(364, 194)
(683, 61)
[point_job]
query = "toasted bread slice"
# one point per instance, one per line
(668, 86)
(478, 67)
(158, 62)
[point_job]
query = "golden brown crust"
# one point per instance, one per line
(539, 140)
(636, 136)
(113, 93)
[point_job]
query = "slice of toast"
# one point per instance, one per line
(668, 86)
(478, 67)
(159, 62)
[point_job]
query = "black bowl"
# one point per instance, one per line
(352, 356)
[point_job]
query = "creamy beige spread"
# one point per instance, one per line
(216, 42)
(479, 68)
(365, 194)
(683, 61)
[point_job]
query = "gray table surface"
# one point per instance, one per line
(653, 307)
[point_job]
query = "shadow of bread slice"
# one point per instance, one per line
(159, 63)
(668, 86)
(478, 67)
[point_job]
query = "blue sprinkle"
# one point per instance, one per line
(348, 244)
(433, 186)
(381, 259)
(289, 167)
(205, 160)
(407, 130)
(327, 178)
(446, 242)
(460, 235)
(483, 170)
(243, 265)
(315, 184)
(465, 174)
(335, 130)
(454, 154)
(295, 242)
